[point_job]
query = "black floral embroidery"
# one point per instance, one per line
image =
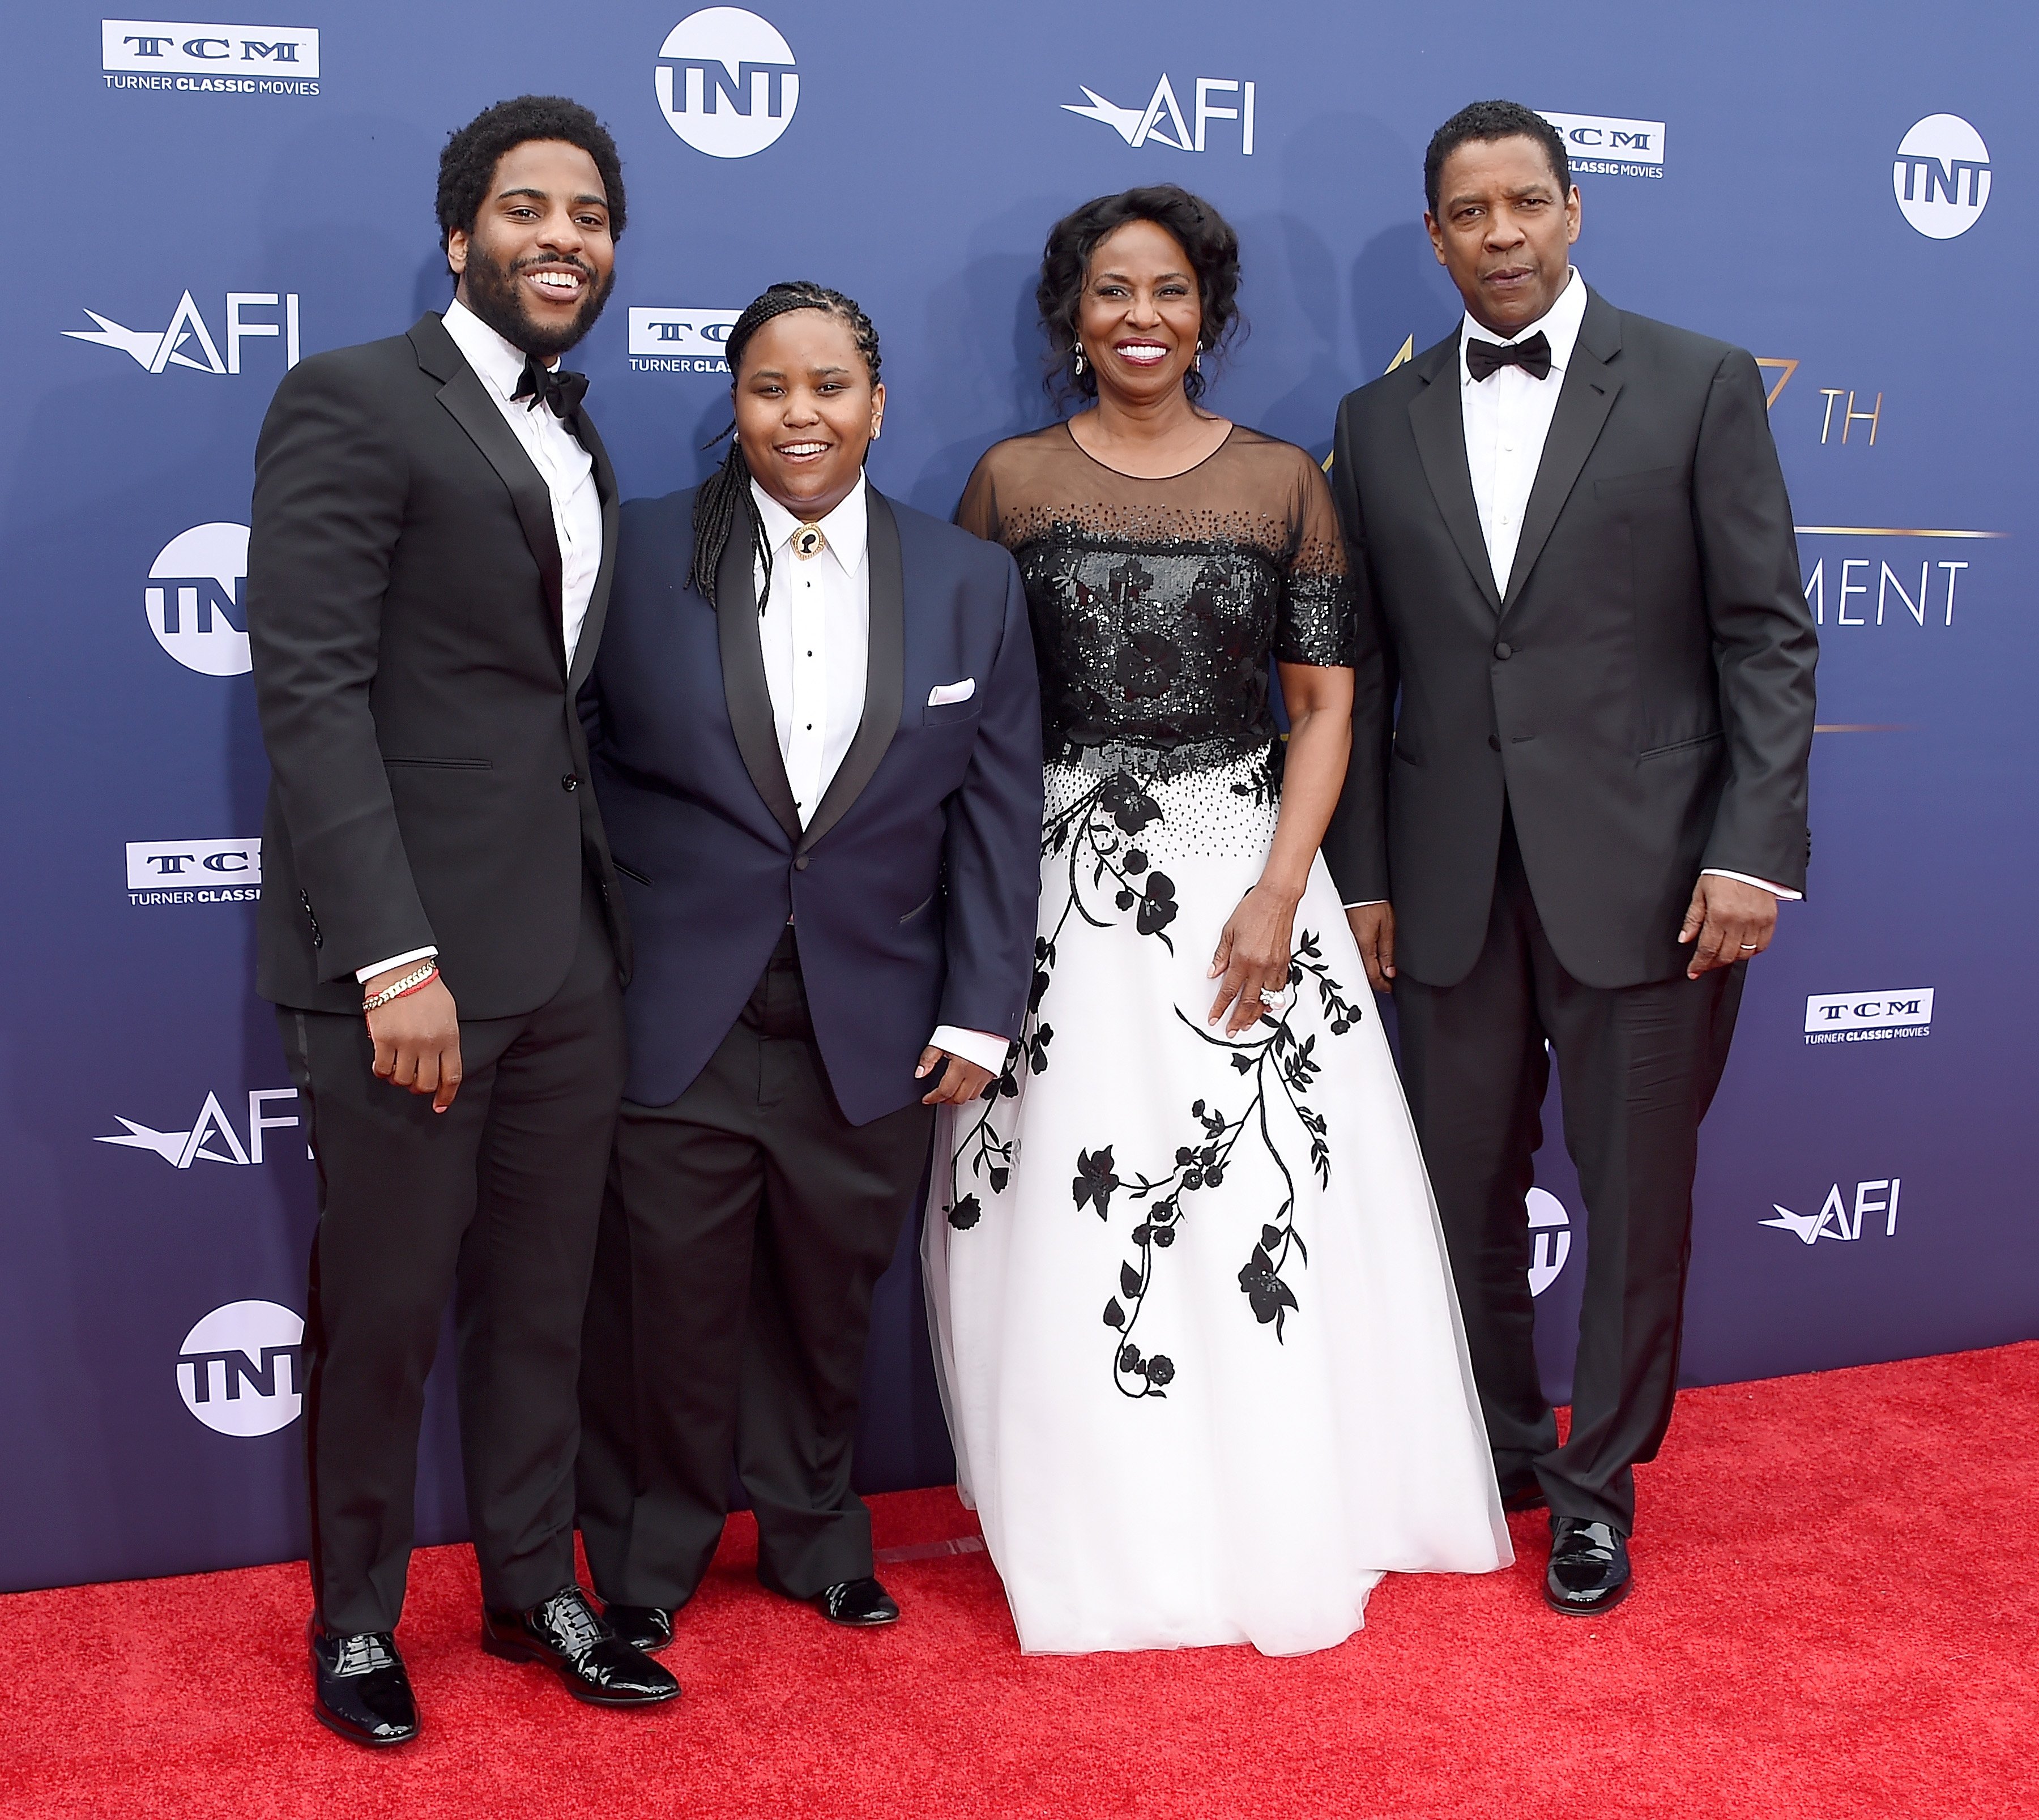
(1279, 1061)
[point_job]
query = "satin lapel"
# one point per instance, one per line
(884, 675)
(1590, 390)
(743, 684)
(1438, 421)
(598, 602)
(467, 399)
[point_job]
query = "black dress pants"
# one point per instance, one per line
(495, 1202)
(744, 1227)
(1639, 1065)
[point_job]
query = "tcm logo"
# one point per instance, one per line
(159, 46)
(727, 82)
(1868, 1017)
(1600, 145)
(1550, 1239)
(680, 340)
(240, 1369)
(1941, 178)
(1162, 121)
(187, 342)
(193, 599)
(1838, 1218)
(212, 1127)
(194, 871)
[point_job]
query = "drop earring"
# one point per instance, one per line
(1079, 360)
(1197, 360)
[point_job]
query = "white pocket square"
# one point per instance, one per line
(942, 694)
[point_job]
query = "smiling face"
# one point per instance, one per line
(539, 263)
(1141, 313)
(807, 409)
(1504, 231)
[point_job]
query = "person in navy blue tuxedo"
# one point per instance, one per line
(815, 735)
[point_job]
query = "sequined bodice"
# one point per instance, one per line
(1157, 604)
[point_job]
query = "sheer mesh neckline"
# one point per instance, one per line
(1223, 443)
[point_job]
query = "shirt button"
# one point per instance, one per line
(570, 783)
(1504, 650)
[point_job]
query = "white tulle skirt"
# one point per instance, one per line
(1201, 1354)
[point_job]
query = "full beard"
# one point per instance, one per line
(494, 294)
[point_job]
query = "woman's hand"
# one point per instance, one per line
(1253, 956)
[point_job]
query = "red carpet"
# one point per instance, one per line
(1835, 1617)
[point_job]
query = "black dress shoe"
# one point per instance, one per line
(1524, 1493)
(566, 1635)
(645, 1627)
(861, 1604)
(360, 1688)
(1588, 1571)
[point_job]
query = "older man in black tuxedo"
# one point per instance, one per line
(1573, 537)
(435, 530)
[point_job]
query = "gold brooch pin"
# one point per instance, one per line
(808, 541)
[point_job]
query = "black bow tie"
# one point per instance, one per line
(1485, 358)
(562, 391)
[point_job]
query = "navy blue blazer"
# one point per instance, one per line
(913, 889)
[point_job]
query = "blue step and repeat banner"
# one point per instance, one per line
(1841, 188)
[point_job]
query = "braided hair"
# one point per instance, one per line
(725, 496)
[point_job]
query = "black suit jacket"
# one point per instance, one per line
(427, 767)
(914, 886)
(1640, 697)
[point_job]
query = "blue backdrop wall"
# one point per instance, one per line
(203, 204)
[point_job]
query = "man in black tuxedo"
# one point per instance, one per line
(434, 525)
(1571, 533)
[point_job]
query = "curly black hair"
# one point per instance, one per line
(468, 164)
(725, 496)
(1487, 121)
(1205, 238)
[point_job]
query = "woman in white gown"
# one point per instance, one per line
(1202, 1360)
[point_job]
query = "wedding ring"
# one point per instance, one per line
(1746, 946)
(1268, 998)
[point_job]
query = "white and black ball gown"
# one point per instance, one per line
(1201, 1354)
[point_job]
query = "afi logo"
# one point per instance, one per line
(1836, 1219)
(159, 44)
(193, 599)
(181, 1149)
(1161, 121)
(1941, 178)
(187, 338)
(726, 81)
(240, 1369)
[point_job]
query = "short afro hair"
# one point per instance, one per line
(1487, 121)
(468, 164)
(1205, 236)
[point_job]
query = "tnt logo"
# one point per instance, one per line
(240, 1369)
(1941, 178)
(1162, 121)
(193, 600)
(1836, 1218)
(727, 82)
(1550, 1239)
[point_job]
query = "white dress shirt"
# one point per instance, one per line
(816, 634)
(568, 471)
(1507, 418)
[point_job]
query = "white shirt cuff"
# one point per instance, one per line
(1365, 902)
(978, 1046)
(1776, 891)
(365, 974)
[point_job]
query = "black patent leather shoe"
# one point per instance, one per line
(359, 1687)
(569, 1637)
(1588, 1572)
(645, 1627)
(863, 1605)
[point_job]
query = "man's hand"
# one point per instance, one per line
(960, 1083)
(1733, 921)
(417, 1038)
(1373, 929)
